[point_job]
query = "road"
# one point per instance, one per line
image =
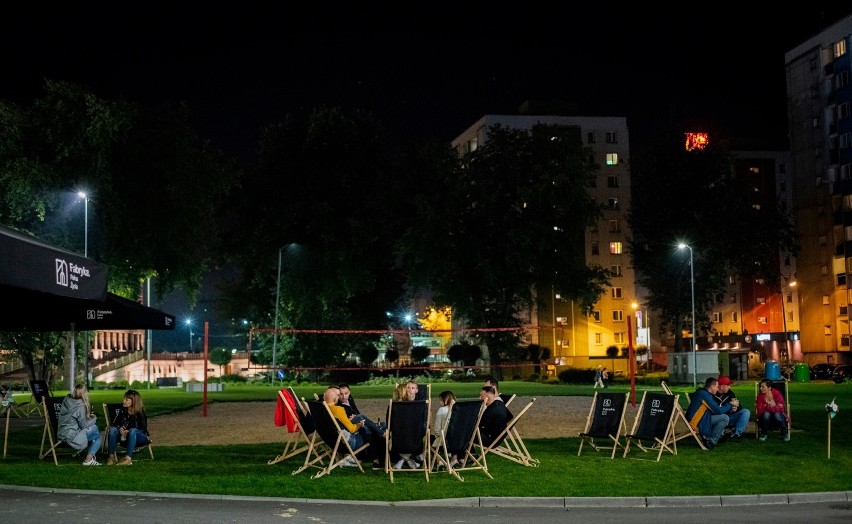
(36, 505)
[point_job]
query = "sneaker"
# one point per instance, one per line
(348, 462)
(454, 463)
(419, 457)
(399, 464)
(92, 462)
(111, 460)
(412, 464)
(763, 437)
(377, 466)
(708, 444)
(126, 461)
(786, 437)
(736, 437)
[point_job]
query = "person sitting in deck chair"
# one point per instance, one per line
(495, 417)
(131, 426)
(705, 415)
(358, 434)
(78, 425)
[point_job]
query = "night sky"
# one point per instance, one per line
(426, 73)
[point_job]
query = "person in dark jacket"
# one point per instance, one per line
(495, 417)
(705, 415)
(131, 426)
(739, 416)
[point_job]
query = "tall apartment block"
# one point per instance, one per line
(819, 106)
(572, 336)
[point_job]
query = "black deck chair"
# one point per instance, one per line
(509, 443)
(459, 437)
(408, 434)
(50, 441)
(333, 436)
(653, 429)
(605, 422)
(40, 391)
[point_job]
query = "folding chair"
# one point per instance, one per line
(654, 423)
(333, 436)
(111, 411)
(40, 391)
(424, 392)
(408, 434)
(296, 431)
(680, 417)
(605, 421)
(8, 404)
(460, 434)
(509, 443)
(50, 442)
(781, 386)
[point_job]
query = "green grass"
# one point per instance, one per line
(748, 467)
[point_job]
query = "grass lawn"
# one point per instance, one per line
(748, 467)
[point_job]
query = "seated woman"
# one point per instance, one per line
(131, 426)
(771, 411)
(77, 425)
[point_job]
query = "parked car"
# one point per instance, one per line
(822, 371)
(842, 373)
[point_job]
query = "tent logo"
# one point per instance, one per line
(90, 314)
(61, 272)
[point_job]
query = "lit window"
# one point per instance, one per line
(615, 248)
(761, 320)
(612, 159)
(827, 330)
(696, 141)
(825, 300)
(839, 48)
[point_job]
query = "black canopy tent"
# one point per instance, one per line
(44, 288)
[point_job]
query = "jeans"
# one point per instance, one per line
(767, 419)
(739, 420)
(719, 423)
(134, 438)
(372, 428)
(93, 435)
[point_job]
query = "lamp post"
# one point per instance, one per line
(692, 292)
(189, 326)
(85, 197)
(277, 300)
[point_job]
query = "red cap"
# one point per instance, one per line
(724, 381)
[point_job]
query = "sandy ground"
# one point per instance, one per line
(253, 422)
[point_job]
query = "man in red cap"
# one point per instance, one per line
(738, 417)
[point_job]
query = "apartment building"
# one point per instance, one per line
(819, 107)
(573, 336)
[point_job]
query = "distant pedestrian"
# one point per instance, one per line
(599, 378)
(604, 377)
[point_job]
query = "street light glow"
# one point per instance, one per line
(682, 246)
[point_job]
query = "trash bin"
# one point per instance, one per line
(772, 371)
(801, 373)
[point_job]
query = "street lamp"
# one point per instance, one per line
(189, 326)
(692, 288)
(85, 197)
(277, 301)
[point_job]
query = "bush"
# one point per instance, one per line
(232, 377)
(532, 378)
(577, 376)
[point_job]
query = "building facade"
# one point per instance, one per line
(573, 337)
(819, 108)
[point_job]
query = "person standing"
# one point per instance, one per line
(599, 378)
(77, 425)
(738, 417)
(131, 426)
(604, 377)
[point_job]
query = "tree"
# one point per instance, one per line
(419, 353)
(509, 218)
(392, 356)
(40, 352)
(221, 357)
(682, 193)
(536, 354)
(612, 352)
(315, 197)
(367, 354)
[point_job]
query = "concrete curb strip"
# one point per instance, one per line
(502, 502)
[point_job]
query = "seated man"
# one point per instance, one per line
(495, 417)
(705, 415)
(348, 403)
(358, 436)
(738, 417)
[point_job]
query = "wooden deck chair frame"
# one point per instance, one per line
(780, 385)
(605, 422)
(509, 443)
(296, 441)
(39, 390)
(334, 437)
(461, 432)
(680, 418)
(111, 410)
(655, 426)
(50, 442)
(9, 404)
(317, 451)
(406, 429)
